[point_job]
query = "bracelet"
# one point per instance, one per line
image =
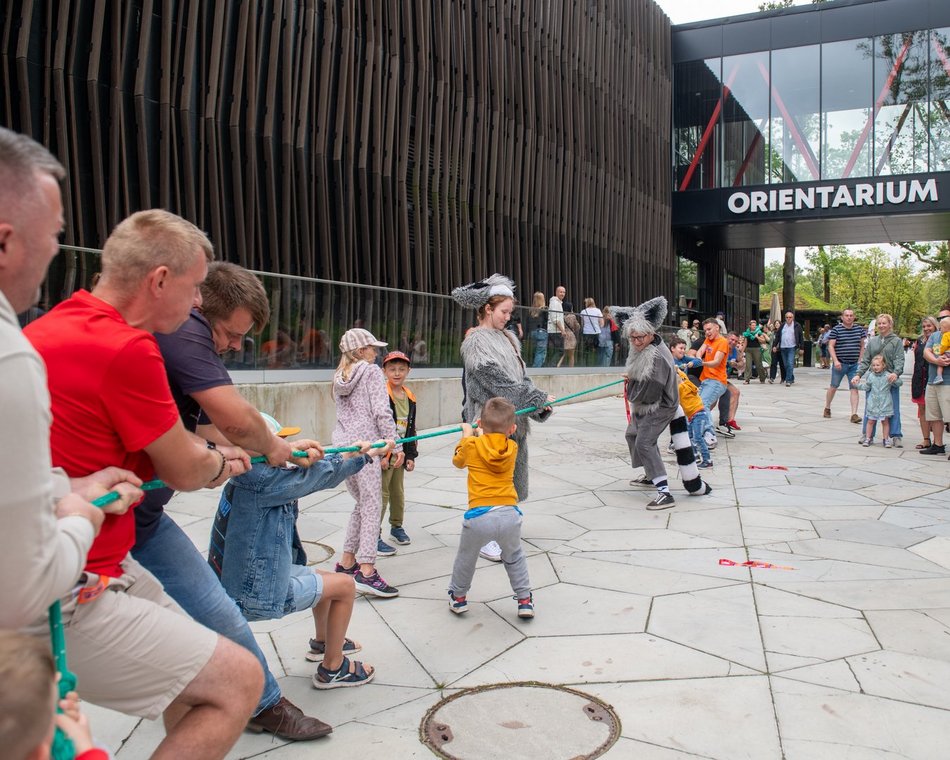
(211, 445)
(224, 463)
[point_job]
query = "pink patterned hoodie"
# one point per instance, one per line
(362, 406)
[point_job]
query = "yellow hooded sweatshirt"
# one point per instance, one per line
(490, 459)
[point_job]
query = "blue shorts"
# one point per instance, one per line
(306, 588)
(847, 370)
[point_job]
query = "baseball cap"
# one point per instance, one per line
(393, 356)
(278, 429)
(358, 338)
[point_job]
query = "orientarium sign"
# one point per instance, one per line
(886, 194)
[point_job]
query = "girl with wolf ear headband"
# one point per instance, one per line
(493, 366)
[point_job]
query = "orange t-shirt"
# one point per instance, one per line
(712, 348)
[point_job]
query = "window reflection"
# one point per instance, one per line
(900, 82)
(796, 114)
(939, 114)
(855, 108)
(846, 97)
(745, 118)
(696, 134)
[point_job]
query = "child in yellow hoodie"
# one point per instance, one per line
(698, 419)
(492, 514)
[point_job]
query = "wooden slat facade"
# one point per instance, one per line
(404, 143)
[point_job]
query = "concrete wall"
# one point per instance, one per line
(309, 405)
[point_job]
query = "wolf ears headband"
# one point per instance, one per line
(645, 318)
(476, 294)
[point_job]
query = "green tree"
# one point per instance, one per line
(935, 257)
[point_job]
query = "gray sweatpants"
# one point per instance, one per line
(502, 524)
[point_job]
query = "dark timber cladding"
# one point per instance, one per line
(407, 143)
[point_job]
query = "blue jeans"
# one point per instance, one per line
(846, 371)
(895, 426)
(788, 359)
(252, 542)
(170, 556)
(709, 391)
(697, 426)
(540, 347)
(605, 353)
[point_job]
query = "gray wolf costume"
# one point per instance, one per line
(653, 396)
(494, 367)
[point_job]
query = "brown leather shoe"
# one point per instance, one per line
(287, 721)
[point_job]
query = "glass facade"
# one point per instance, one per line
(854, 108)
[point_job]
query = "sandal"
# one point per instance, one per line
(924, 445)
(318, 649)
(336, 679)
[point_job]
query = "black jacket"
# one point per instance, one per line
(799, 337)
(411, 449)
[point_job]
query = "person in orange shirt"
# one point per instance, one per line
(713, 355)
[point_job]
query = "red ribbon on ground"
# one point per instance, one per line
(767, 467)
(753, 563)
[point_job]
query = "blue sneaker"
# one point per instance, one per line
(526, 607)
(399, 536)
(705, 465)
(457, 604)
(383, 549)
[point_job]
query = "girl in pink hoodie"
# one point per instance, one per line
(362, 410)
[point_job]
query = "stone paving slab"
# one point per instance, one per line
(846, 656)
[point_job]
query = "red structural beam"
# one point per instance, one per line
(708, 132)
(748, 156)
(898, 62)
(803, 146)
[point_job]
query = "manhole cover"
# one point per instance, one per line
(316, 552)
(520, 720)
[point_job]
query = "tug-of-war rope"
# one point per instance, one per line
(62, 748)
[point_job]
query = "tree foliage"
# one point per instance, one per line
(873, 281)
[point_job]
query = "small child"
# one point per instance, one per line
(28, 701)
(402, 402)
(256, 552)
(492, 514)
(941, 347)
(878, 405)
(362, 413)
(698, 419)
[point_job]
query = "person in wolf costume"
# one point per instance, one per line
(493, 365)
(652, 397)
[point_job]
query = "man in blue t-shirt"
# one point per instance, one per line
(845, 347)
(233, 301)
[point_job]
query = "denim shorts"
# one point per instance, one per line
(306, 588)
(847, 370)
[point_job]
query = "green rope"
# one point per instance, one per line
(62, 748)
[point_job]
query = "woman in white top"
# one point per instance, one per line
(592, 319)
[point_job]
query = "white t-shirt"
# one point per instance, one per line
(555, 315)
(590, 319)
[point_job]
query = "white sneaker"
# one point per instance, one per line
(491, 551)
(711, 440)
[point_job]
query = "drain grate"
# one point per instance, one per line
(520, 721)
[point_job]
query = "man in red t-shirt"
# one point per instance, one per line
(713, 354)
(132, 648)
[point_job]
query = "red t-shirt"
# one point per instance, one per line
(110, 399)
(712, 348)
